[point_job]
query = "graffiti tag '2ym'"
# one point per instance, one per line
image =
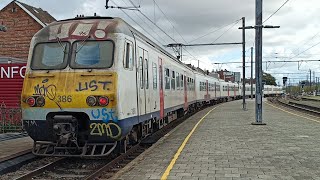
(111, 130)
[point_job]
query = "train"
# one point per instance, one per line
(96, 85)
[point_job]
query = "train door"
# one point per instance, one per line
(185, 92)
(143, 76)
(207, 90)
(161, 88)
(228, 90)
(215, 89)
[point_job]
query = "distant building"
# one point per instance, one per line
(229, 76)
(248, 81)
(237, 76)
(22, 22)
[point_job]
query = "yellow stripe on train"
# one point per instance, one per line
(68, 89)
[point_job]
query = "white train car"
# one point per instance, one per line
(96, 82)
(268, 90)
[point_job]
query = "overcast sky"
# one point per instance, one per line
(190, 20)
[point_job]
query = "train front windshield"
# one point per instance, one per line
(85, 54)
(48, 56)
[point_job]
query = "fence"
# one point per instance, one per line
(10, 119)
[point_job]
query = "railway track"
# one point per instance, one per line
(298, 106)
(102, 168)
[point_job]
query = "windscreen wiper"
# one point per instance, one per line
(62, 47)
(82, 43)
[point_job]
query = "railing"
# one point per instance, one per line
(10, 119)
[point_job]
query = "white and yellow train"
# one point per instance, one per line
(95, 83)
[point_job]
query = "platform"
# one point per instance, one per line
(11, 147)
(226, 146)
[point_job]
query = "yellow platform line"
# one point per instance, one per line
(176, 156)
(293, 113)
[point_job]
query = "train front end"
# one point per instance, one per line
(69, 100)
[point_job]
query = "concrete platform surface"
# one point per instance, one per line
(14, 146)
(226, 146)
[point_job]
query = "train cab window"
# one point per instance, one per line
(92, 54)
(128, 59)
(173, 80)
(154, 73)
(178, 80)
(167, 78)
(146, 72)
(48, 56)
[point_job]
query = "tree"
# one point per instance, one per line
(269, 79)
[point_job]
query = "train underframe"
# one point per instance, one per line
(68, 133)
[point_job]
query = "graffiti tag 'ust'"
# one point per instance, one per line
(92, 85)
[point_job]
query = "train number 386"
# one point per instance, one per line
(65, 98)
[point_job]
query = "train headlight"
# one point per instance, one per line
(31, 101)
(40, 101)
(103, 101)
(91, 101)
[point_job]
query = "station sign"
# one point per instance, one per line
(12, 71)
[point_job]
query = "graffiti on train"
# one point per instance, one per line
(47, 90)
(105, 114)
(93, 85)
(111, 130)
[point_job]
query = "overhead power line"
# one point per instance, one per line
(275, 11)
(305, 50)
(235, 62)
(163, 31)
(224, 32)
(170, 21)
(214, 31)
(137, 23)
(148, 26)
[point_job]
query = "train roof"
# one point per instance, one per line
(118, 26)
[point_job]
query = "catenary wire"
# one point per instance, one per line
(275, 11)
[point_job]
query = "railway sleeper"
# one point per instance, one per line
(42, 148)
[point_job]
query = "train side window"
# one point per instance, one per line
(192, 84)
(181, 81)
(128, 59)
(173, 81)
(154, 72)
(178, 80)
(167, 78)
(141, 71)
(146, 74)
